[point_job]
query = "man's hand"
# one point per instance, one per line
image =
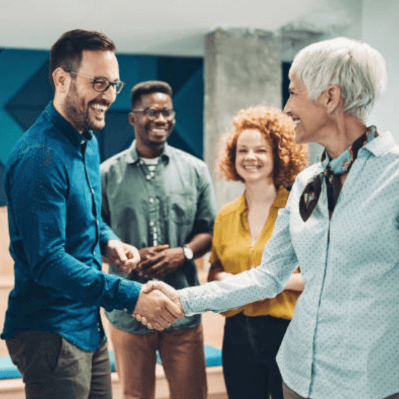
(156, 309)
(157, 286)
(160, 261)
(124, 256)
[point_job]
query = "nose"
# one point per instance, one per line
(250, 154)
(287, 108)
(160, 118)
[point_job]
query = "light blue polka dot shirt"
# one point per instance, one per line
(343, 341)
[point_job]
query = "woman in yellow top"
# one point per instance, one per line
(261, 152)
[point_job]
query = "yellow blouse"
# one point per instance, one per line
(233, 252)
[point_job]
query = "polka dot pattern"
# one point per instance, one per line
(343, 341)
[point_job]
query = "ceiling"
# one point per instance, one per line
(159, 27)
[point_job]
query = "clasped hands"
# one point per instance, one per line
(158, 306)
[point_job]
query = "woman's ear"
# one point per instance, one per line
(332, 98)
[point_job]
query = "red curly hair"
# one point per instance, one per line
(278, 130)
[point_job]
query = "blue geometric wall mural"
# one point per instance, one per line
(25, 90)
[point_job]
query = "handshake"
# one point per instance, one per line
(158, 306)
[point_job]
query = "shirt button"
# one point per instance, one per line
(82, 142)
(97, 221)
(148, 177)
(155, 236)
(94, 253)
(152, 224)
(92, 191)
(155, 229)
(151, 200)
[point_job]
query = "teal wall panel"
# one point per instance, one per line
(16, 68)
(25, 90)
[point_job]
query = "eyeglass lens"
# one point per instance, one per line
(153, 113)
(103, 85)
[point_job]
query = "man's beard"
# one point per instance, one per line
(80, 119)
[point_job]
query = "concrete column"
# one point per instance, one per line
(242, 69)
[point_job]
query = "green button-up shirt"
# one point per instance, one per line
(169, 206)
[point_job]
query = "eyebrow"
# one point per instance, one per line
(104, 78)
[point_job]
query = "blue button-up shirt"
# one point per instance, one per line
(343, 341)
(53, 188)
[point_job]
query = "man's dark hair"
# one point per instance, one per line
(67, 50)
(148, 87)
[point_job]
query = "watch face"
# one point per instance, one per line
(188, 253)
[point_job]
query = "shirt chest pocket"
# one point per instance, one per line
(182, 208)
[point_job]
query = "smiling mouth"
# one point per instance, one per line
(159, 132)
(296, 122)
(252, 167)
(99, 110)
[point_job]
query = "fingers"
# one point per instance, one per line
(130, 258)
(157, 307)
(151, 260)
(148, 287)
(169, 291)
(119, 255)
(152, 325)
(160, 248)
(133, 254)
(174, 310)
(146, 253)
(124, 256)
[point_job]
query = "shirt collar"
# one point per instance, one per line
(381, 144)
(134, 157)
(66, 128)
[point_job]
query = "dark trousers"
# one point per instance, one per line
(52, 367)
(250, 346)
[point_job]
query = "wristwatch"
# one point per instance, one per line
(188, 252)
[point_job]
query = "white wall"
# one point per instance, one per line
(380, 29)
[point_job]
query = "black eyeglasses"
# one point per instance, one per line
(153, 113)
(102, 84)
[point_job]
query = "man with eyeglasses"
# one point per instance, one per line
(53, 327)
(161, 200)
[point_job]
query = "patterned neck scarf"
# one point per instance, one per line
(332, 169)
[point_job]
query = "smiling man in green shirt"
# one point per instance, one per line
(161, 200)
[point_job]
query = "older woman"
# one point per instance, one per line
(341, 224)
(261, 152)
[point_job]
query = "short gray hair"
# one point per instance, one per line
(356, 67)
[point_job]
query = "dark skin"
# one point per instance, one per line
(151, 135)
(161, 260)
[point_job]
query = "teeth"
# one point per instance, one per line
(296, 122)
(250, 167)
(99, 107)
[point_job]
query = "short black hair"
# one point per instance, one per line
(67, 50)
(148, 87)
